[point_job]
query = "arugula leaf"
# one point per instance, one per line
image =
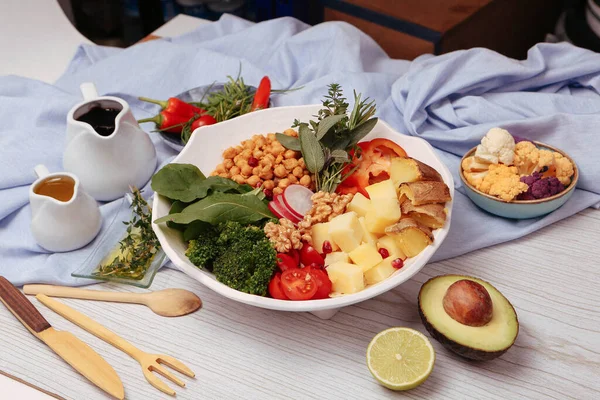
(177, 207)
(311, 149)
(178, 181)
(194, 229)
(222, 207)
(289, 142)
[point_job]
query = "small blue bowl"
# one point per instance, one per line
(520, 209)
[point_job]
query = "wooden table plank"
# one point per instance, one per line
(238, 351)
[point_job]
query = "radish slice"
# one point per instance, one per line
(281, 212)
(283, 205)
(297, 199)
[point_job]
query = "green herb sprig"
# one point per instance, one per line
(325, 144)
(137, 248)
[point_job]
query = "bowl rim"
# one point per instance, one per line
(571, 186)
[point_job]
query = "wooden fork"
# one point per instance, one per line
(149, 362)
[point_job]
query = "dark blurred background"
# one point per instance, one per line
(404, 28)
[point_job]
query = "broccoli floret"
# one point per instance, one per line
(246, 260)
(203, 250)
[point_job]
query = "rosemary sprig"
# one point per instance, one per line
(139, 246)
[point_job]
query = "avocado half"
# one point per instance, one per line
(476, 343)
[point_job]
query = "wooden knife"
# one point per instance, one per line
(78, 354)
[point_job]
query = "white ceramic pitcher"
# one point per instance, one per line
(62, 225)
(107, 165)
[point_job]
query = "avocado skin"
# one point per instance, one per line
(462, 350)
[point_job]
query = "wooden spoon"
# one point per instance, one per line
(167, 302)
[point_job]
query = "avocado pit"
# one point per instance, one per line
(468, 303)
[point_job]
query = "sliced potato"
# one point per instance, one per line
(406, 169)
(425, 192)
(430, 215)
(470, 164)
(411, 237)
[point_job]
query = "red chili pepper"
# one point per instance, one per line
(203, 120)
(168, 122)
(261, 97)
(176, 106)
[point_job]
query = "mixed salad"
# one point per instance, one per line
(309, 213)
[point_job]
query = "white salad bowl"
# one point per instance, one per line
(205, 150)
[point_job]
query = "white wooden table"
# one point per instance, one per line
(241, 352)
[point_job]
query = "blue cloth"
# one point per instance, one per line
(449, 100)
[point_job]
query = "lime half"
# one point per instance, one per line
(400, 358)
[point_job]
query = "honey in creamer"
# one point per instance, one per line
(60, 188)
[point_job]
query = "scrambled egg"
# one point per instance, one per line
(503, 182)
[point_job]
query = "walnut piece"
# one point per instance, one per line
(326, 206)
(284, 236)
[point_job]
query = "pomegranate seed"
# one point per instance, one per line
(268, 194)
(398, 263)
(384, 252)
(327, 247)
(253, 161)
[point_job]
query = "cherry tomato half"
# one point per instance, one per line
(275, 288)
(324, 284)
(285, 262)
(298, 284)
(295, 254)
(309, 255)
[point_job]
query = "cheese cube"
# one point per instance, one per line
(381, 271)
(359, 204)
(366, 256)
(382, 215)
(368, 237)
(346, 232)
(389, 243)
(346, 278)
(382, 190)
(320, 233)
(336, 257)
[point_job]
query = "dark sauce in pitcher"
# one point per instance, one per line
(101, 119)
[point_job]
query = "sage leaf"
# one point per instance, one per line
(340, 155)
(327, 123)
(178, 182)
(222, 207)
(361, 131)
(311, 150)
(289, 142)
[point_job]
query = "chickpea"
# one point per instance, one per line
(260, 141)
(269, 184)
(290, 132)
(246, 170)
(301, 163)
(224, 175)
(277, 191)
(228, 163)
(270, 158)
(290, 164)
(266, 174)
(298, 172)
(235, 170)
(241, 162)
(277, 149)
(253, 181)
(292, 179)
(246, 154)
(305, 180)
(283, 183)
(256, 170)
(230, 153)
(239, 179)
(258, 154)
(279, 159)
(248, 145)
(220, 168)
(214, 173)
(271, 137)
(289, 154)
(280, 171)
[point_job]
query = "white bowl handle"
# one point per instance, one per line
(41, 171)
(88, 90)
